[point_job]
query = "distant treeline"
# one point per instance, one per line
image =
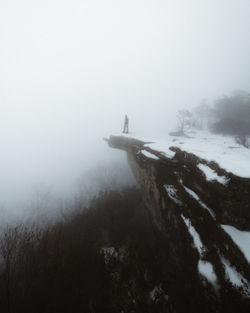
(230, 115)
(233, 114)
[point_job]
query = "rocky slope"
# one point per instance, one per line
(203, 212)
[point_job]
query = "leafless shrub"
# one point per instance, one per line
(183, 116)
(243, 140)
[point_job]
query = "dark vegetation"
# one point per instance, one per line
(230, 115)
(233, 114)
(64, 267)
(105, 258)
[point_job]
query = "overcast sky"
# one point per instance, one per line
(71, 69)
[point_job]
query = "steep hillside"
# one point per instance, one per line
(202, 209)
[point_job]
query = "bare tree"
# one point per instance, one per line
(182, 116)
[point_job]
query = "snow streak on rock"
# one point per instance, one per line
(172, 193)
(149, 155)
(195, 196)
(235, 278)
(212, 175)
(196, 237)
(241, 238)
(163, 148)
(206, 269)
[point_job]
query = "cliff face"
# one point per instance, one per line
(204, 219)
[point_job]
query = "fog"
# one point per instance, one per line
(70, 70)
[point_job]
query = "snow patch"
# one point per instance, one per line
(236, 278)
(149, 155)
(212, 175)
(206, 269)
(172, 193)
(241, 238)
(163, 148)
(196, 237)
(196, 197)
(207, 146)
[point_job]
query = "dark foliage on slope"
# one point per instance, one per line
(233, 114)
(107, 258)
(63, 268)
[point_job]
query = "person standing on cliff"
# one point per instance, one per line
(125, 127)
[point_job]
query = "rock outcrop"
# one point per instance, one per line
(195, 215)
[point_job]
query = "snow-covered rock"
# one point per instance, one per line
(241, 238)
(191, 186)
(206, 269)
(212, 175)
